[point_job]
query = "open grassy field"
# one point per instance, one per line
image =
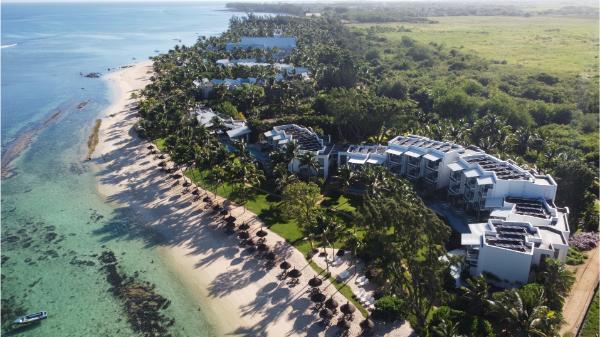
(556, 45)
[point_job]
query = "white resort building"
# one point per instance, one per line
(307, 141)
(524, 225)
(234, 129)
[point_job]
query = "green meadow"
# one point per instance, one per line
(559, 45)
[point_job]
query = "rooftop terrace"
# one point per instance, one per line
(510, 236)
(529, 207)
(426, 143)
(502, 169)
(304, 138)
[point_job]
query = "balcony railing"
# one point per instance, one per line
(454, 188)
(413, 172)
(432, 177)
(456, 176)
(414, 161)
(433, 165)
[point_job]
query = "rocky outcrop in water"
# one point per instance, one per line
(140, 300)
(92, 75)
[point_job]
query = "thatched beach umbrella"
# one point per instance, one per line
(196, 192)
(318, 297)
(216, 208)
(315, 282)
(347, 309)
(367, 324)
(150, 147)
(230, 225)
(230, 219)
(295, 273)
(243, 235)
(162, 156)
(343, 324)
(261, 233)
(186, 183)
(262, 247)
(331, 303)
(223, 212)
(207, 199)
(284, 265)
(244, 227)
(326, 314)
(270, 256)
(162, 163)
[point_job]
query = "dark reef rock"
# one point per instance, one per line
(92, 75)
(142, 304)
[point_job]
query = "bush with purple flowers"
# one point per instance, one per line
(584, 241)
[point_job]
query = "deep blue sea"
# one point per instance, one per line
(54, 223)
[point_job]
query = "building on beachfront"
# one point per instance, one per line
(307, 142)
(206, 86)
(417, 157)
(282, 69)
(356, 157)
(282, 43)
(480, 182)
(524, 226)
(506, 249)
(234, 129)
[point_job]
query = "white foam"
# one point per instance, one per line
(8, 45)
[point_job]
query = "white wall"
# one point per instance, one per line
(506, 264)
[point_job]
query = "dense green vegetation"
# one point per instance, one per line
(366, 88)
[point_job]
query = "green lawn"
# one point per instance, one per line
(266, 206)
(590, 327)
(550, 44)
(263, 204)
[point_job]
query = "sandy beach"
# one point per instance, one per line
(235, 289)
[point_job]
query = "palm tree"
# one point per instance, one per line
(445, 328)
(309, 162)
(523, 312)
(557, 282)
(476, 295)
(218, 175)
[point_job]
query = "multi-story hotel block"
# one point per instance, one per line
(524, 225)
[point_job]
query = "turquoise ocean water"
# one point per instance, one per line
(54, 223)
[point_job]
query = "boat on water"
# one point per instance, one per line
(31, 318)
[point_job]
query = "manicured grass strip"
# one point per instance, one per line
(590, 327)
(341, 287)
(160, 144)
(264, 205)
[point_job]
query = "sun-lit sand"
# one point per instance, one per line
(240, 296)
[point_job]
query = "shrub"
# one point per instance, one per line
(389, 309)
(575, 257)
(584, 241)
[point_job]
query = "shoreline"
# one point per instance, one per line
(237, 294)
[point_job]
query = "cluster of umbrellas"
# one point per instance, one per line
(326, 307)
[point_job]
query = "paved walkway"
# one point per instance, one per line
(582, 292)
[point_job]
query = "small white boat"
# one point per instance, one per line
(31, 318)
